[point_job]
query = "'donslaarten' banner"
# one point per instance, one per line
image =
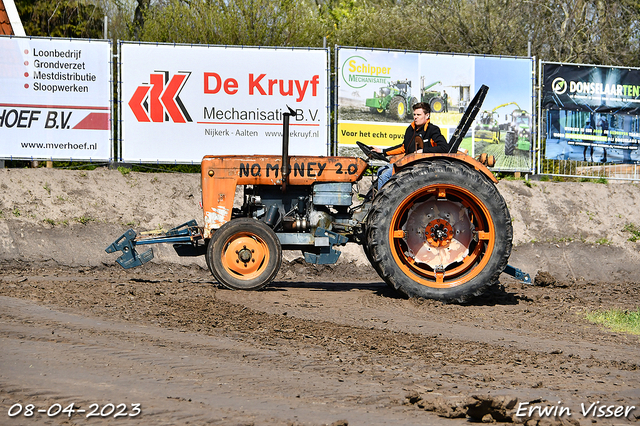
(592, 113)
(591, 88)
(181, 102)
(55, 99)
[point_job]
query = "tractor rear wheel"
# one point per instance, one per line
(244, 254)
(436, 104)
(439, 230)
(397, 108)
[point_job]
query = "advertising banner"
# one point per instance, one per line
(592, 113)
(377, 89)
(181, 102)
(55, 99)
(591, 88)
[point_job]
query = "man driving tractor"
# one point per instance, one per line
(419, 131)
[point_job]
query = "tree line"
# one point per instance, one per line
(577, 31)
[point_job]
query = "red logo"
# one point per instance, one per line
(160, 99)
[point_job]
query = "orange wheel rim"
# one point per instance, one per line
(245, 255)
(479, 249)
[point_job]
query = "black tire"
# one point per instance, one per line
(436, 104)
(374, 110)
(244, 254)
(510, 142)
(398, 108)
(433, 194)
(412, 102)
(207, 258)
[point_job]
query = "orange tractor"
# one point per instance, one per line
(437, 229)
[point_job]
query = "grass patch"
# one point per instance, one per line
(617, 320)
(125, 171)
(84, 219)
(634, 230)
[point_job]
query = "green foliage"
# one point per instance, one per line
(602, 180)
(125, 171)
(234, 22)
(79, 165)
(634, 230)
(16, 212)
(166, 168)
(603, 242)
(583, 31)
(84, 219)
(617, 320)
(61, 18)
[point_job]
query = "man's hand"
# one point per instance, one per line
(376, 149)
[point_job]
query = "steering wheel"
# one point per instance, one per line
(370, 153)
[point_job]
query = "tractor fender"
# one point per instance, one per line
(410, 159)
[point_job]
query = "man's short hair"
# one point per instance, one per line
(425, 107)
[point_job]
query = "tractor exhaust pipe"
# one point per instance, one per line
(285, 147)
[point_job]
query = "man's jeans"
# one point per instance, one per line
(384, 174)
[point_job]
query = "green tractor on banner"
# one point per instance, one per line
(433, 98)
(516, 128)
(518, 131)
(394, 98)
(488, 129)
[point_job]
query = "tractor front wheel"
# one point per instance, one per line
(244, 254)
(439, 230)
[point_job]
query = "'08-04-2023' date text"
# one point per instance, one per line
(95, 410)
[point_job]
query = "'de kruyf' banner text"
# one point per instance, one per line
(592, 113)
(181, 103)
(55, 99)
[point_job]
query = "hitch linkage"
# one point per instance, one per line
(517, 274)
(187, 233)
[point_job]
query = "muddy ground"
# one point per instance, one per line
(321, 345)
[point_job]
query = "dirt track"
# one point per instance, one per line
(320, 345)
(306, 351)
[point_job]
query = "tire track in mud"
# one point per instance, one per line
(330, 359)
(176, 376)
